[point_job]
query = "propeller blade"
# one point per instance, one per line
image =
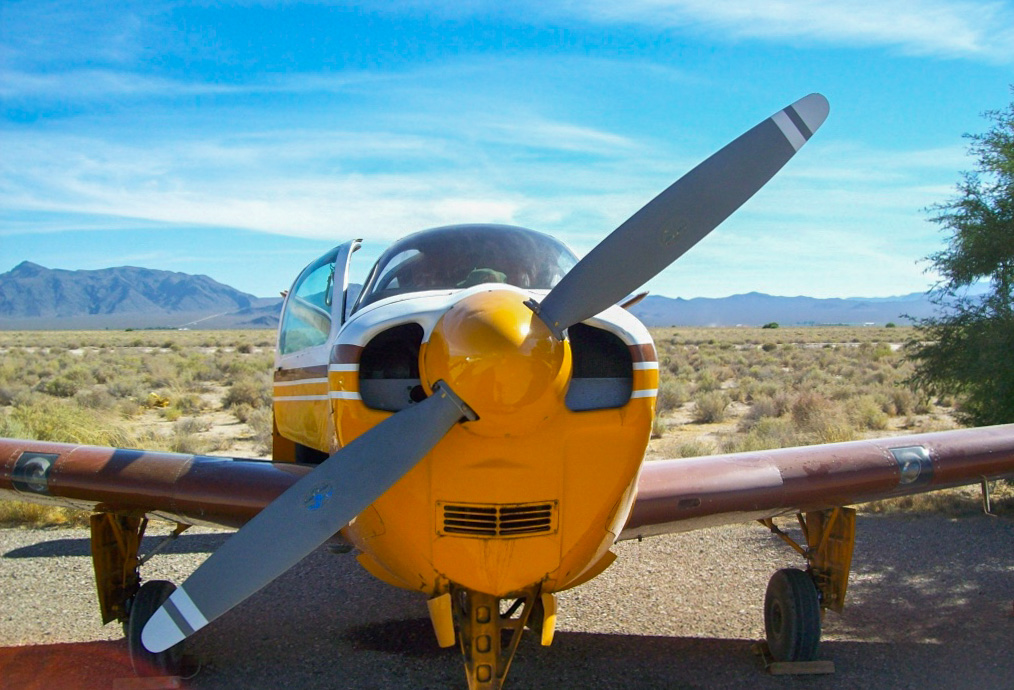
(304, 516)
(679, 217)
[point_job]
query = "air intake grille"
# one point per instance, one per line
(490, 520)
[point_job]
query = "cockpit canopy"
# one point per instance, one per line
(460, 256)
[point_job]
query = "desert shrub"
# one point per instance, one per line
(710, 407)
(127, 387)
(97, 398)
(766, 434)
(9, 393)
(261, 423)
(189, 403)
(59, 387)
(831, 426)
(255, 392)
(192, 425)
(170, 414)
(162, 372)
(182, 442)
(242, 412)
(19, 514)
(866, 413)
(48, 419)
(658, 426)
(708, 381)
(903, 400)
(693, 449)
(763, 407)
(671, 395)
(808, 406)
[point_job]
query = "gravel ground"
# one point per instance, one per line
(931, 605)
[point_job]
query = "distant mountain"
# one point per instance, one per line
(35, 295)
(756, 309)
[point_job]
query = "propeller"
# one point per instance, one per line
(305, 516)
(679, 217)
(321, 503)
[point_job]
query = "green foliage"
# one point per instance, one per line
(966, 351)
(772, 324)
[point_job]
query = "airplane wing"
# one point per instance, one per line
(690, 493)
(672, 496)
(189, 489)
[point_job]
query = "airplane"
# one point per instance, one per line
(473, 424)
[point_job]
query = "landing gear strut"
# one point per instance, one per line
(489, 638)
(795, 600)
(115, 543)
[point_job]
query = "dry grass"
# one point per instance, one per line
(160, 390)
(720, 390)
(32, 515)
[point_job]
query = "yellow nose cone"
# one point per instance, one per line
(501, 359)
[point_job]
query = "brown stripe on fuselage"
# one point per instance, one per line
(346, 354)
(315, 372)
(643, 352)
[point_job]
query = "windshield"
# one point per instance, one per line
(461, 256)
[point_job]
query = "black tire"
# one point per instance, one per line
(792, 616)
(146, 602)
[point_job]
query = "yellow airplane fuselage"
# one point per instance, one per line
(530, 493)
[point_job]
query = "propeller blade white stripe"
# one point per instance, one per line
(789, 129)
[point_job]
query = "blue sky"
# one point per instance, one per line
(243, 139)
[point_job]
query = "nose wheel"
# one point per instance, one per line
(792, 616)
(147, 600)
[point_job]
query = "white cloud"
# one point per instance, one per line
(982, 29)
(925, 27)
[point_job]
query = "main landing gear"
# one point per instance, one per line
(115, 545)
(795, 600)
(145, 603)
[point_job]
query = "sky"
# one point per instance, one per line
(241, 140)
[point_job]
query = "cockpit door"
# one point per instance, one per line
(313, 312)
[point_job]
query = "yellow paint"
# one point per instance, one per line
(585, 462)
(548, 618)
(501, 359)
(442, 619)
(525, 448)
(302, 413)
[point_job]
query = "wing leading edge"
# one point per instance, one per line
(691, 493)
(190, 489)
(673, 495)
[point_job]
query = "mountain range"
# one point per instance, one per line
(35, 297)
(756, 309)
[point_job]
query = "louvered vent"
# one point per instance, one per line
(490, 520)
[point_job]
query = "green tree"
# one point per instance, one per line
(968, 350)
